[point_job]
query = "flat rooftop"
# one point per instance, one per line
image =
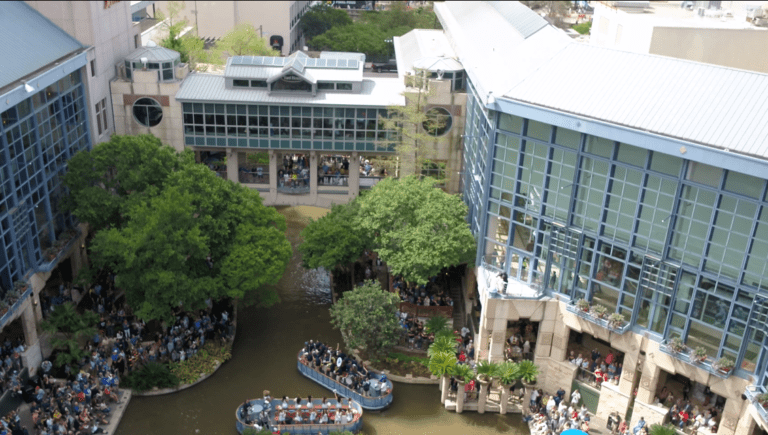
(670, 14)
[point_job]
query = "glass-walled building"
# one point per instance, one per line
(622, 205)
(43, 123)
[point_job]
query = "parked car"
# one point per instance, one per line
(390, 65)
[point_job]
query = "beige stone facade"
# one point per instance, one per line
(112, 35)
(646, 366)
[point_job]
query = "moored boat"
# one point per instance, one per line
(305, 418)
(373, 393)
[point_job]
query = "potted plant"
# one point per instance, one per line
(762, 399)
(19, 286)
(676, 344)
(725, 364)
(3, 307)
(582, 305)
(616, 320)
(699, 354)
(486, 370)
(599, 311)
(527, 371)
(11, 297)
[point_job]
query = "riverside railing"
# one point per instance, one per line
(311, 428)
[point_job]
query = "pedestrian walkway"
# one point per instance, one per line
(118, 409)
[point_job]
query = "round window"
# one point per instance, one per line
(438, 122)
(147, 112)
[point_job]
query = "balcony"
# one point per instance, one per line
(369, 182)
(687, 356)
(488, 277)
(605, 323)
(753, 392)
(14, 309)
(53, 255)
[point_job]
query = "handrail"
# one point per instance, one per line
(367, 402)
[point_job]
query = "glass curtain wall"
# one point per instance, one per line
(38, 136)
(679, 247)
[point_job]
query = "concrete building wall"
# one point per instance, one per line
(735, 48)
(214, 19)
(111, 34)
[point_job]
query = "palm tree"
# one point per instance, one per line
(527, 371)
(487, 370)
(441, 364)
(442, 344)
(436, 324)
(463, 373)
(657, 429)
(508, 373)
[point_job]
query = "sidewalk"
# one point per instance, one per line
(118, 409)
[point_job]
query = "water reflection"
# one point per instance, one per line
(264, 357)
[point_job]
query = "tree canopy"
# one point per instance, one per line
(321, 18)
(367, 318)
(183, 237)
(244, 40)
(102, 180)
(357, 37)
(418, 229)
(334, 241)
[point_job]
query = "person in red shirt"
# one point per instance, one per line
(609, 358)
(683, 418)
(462, 357)
(598, 377)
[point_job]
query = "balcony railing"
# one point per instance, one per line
(605, 323)
(687, 357)
(13, 309)
(491, 267)
(369, 182)
(253, 176)
(752, 392)
(51, 262)
(333, 180)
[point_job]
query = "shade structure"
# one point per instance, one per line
(573, 432)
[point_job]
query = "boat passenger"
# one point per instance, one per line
(285, 402)
(337, 417)
(324, 403)
(281, 415)
(324, 418)
(297, 420)
(350, 416)
(312, 417)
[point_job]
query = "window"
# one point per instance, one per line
(325, 86)
(344, 86)
(101, 116)
(240, 83)
(136, 41)
(439, 121)
(93, 68)
(434, 169)
(147, 112)
(258, 83)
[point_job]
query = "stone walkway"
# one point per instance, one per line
(118, 409)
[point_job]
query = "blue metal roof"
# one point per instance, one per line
(30, 41)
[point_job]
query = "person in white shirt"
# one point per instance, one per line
(312, 416)
(324, 418)
(575, 397)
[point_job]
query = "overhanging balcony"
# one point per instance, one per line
(487, 279)
(687, 356)
(753, 392)
(605, 323)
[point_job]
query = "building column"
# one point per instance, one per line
(482, 397)
(460, 398)
(232, 165)
(32, 356)
(272, 175)
(732, 412)
(445, 386)
(354, 176)
(504, 399)
(644, 407)
(313, 176)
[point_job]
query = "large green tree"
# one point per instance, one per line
(357, 37)
(103, 180)
(244, 40)
(334, 240)
(200, 237)
(418, 229)
(367, 318)
(69, 329)
(322, 18)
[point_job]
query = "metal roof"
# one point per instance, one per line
(525, 21)
(153, 54)
(438, 64)
(701, 103)
(331, 66)
(426, 49)
(30, 41)
(380, 92)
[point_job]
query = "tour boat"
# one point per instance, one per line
(378, 398)
(251, 410)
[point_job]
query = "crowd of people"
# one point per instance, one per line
(344, 369)
(519, 344)
(427, 295)
(684, 414)
(261, 414)
(10, 369)
(594, 368)
(553, 414)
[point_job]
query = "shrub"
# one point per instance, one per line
(583, 28)
(202, 363)
(151, 375)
